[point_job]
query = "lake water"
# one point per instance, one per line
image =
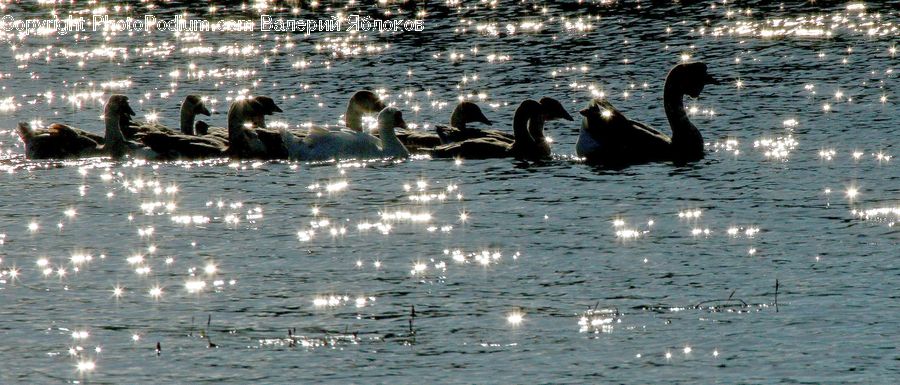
(544, 273)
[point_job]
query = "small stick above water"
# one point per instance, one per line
(776, 295)
(412, 315)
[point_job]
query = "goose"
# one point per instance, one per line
(361, 103)
(246, 139)
(607, 137)
(463, 113)
(59, 141)
(261, 106)
(528, 133)
(184, 145)
(146, 140)
(457, 131)
(321, 144)
(191, 107)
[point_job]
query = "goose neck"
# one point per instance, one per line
(353, 117)
(526, 116)
(187, 120)
(114, 141)
(457, 120)
(686, 138)
(391, 146)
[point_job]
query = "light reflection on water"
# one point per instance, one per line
(254, 265)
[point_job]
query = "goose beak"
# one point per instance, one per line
(709, 79)
(203, 111)
(276, 108)
(483, 119)
(126, 110)
(566, 116)
(585, 112)
(401, 123)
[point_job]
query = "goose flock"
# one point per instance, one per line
(606, 138)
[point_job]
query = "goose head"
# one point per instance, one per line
(194, 104)
(390, 118)
(265, 105)
(201, 127)
(257, 109)
(361, 103)
(117, 106)
(552, 109)
(467, 112)
(365, 101)
(690, 78)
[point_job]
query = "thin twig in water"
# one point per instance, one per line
(743, 304)
(776, 295)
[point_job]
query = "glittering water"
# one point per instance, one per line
(276, 273)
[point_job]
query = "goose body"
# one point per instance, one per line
(458, 129)
(185, 145)
(246, 138)
(59, 141)
(528, 133)
(607, 137)
(321, 144)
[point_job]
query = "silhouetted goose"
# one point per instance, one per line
(457, 131)
(608, 137)
(248, 141)
(168, 144)
(191, 107)
(321, 144)
(528, 132)
(361, 103)
(59, 141)
(261, 106)
(464, 112)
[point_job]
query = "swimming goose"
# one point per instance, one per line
(528, 135)
(528, 132)
(184, 145)
(262, 106)
(190, 108)
(607, 137)
(361, 103)
(246, 140)
(457, 131)
(464, 112)
(59, 141)
(321, 144)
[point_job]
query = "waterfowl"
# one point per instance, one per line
(607, 137)
(191, 107)
(457, 131)
(255, 115)
(463, 113)
(528, 135)
(185, 145)
(59, 141)
(361, 103)
(321, 144)
(246, 140)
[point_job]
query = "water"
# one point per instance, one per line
(552, 272)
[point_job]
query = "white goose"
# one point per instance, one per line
(321, 144)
